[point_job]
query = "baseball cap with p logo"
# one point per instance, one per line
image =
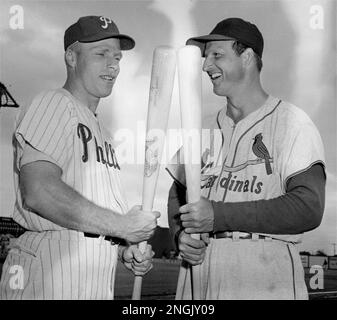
(95, 28)
(232, 29)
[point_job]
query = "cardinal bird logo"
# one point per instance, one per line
(261, 151)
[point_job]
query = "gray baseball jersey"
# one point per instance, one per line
(249, 161)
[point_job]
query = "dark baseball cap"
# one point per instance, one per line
(232, 28)
(95, 28)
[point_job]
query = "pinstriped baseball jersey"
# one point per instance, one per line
(260, 153)
(58, 125)
(57, 263)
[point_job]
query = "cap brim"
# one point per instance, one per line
(126, 42)
(202, 40)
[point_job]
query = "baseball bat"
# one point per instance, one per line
(160, 93)
(189, 75)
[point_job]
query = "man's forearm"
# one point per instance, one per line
(56, 201)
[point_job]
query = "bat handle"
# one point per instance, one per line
(137, 286)
(196, 277)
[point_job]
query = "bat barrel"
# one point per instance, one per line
(189, 72)
(160, 93)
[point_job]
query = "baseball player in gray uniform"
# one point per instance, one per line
(263, 182)
(69, 195)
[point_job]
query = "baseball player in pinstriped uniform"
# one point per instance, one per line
(263, 183)
(69, 194)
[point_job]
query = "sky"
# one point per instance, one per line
(299, 67)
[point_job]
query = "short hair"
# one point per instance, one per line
(76, 48)
(239, 48)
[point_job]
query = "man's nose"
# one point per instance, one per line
(207, 64)
(114, 66)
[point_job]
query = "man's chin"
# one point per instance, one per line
(219, 91)
(105, 93)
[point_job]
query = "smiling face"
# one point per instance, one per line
(97, 66)
(224, 67)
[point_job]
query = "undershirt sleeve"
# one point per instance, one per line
(176, 199)
(299, 210)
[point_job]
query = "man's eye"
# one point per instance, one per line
(100, 54)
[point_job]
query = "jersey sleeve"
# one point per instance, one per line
(31, 155)
(301, 151)
(48, 126)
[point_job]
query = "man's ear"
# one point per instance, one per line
(247, 57)
(70, 57)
